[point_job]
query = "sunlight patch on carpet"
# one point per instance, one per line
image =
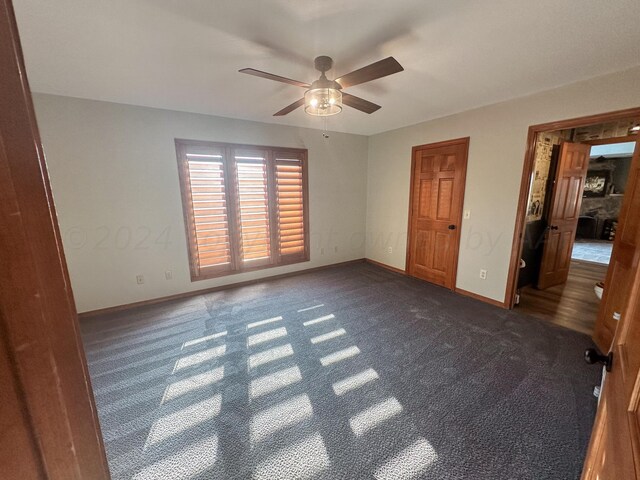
(274, 381)
(263, 322)
(183, 419)
(259, 338)
(200, 357)
(373, 416)
(339, 356)
(308, 323)
(328, 336)
(195, 382)
(302, 460)
(200, 340)
(270, 355)
(409, 463)
(354, 381)
(187, 463)
(282, 415)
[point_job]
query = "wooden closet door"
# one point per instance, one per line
(437, 194)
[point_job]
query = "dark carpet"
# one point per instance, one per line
(346, 373)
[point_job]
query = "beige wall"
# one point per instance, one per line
(498, 137)
(114, 177)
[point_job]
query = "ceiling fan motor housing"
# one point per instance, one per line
(323, 63)
(323, 97)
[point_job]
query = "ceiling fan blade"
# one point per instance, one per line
(289, 108)
(359, 103)
(379, 69)
(271, 76)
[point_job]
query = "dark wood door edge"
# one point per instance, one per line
(37, 314)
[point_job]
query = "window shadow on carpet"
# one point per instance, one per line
(350, 373)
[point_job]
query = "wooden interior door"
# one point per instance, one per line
(563, 215)
(620, 266)
(437, 192)
(614, 451)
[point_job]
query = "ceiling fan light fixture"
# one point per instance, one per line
(323, 102)
(323, 97)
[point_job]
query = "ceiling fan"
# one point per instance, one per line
(325, 97)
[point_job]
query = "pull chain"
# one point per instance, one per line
(324, 132)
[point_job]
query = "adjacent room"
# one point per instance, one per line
(569, 234)
(338, 240)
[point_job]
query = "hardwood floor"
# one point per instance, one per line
(574, 304)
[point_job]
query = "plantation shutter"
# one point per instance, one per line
(204, 174)
(290, 198)
(245, 207)
(254, 226)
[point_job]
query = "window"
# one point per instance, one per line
(245, 207)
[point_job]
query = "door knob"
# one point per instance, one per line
(593, 356)
(452, 227)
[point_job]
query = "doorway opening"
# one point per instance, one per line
(576, 176)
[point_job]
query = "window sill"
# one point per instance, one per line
(228, 273)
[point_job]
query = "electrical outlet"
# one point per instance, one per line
(483, 274)
(322, 251)
(467, 214)
(139, 279)
(168, 275)
(335, 249)
(389, 249)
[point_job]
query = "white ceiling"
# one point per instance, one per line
(457, 54)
